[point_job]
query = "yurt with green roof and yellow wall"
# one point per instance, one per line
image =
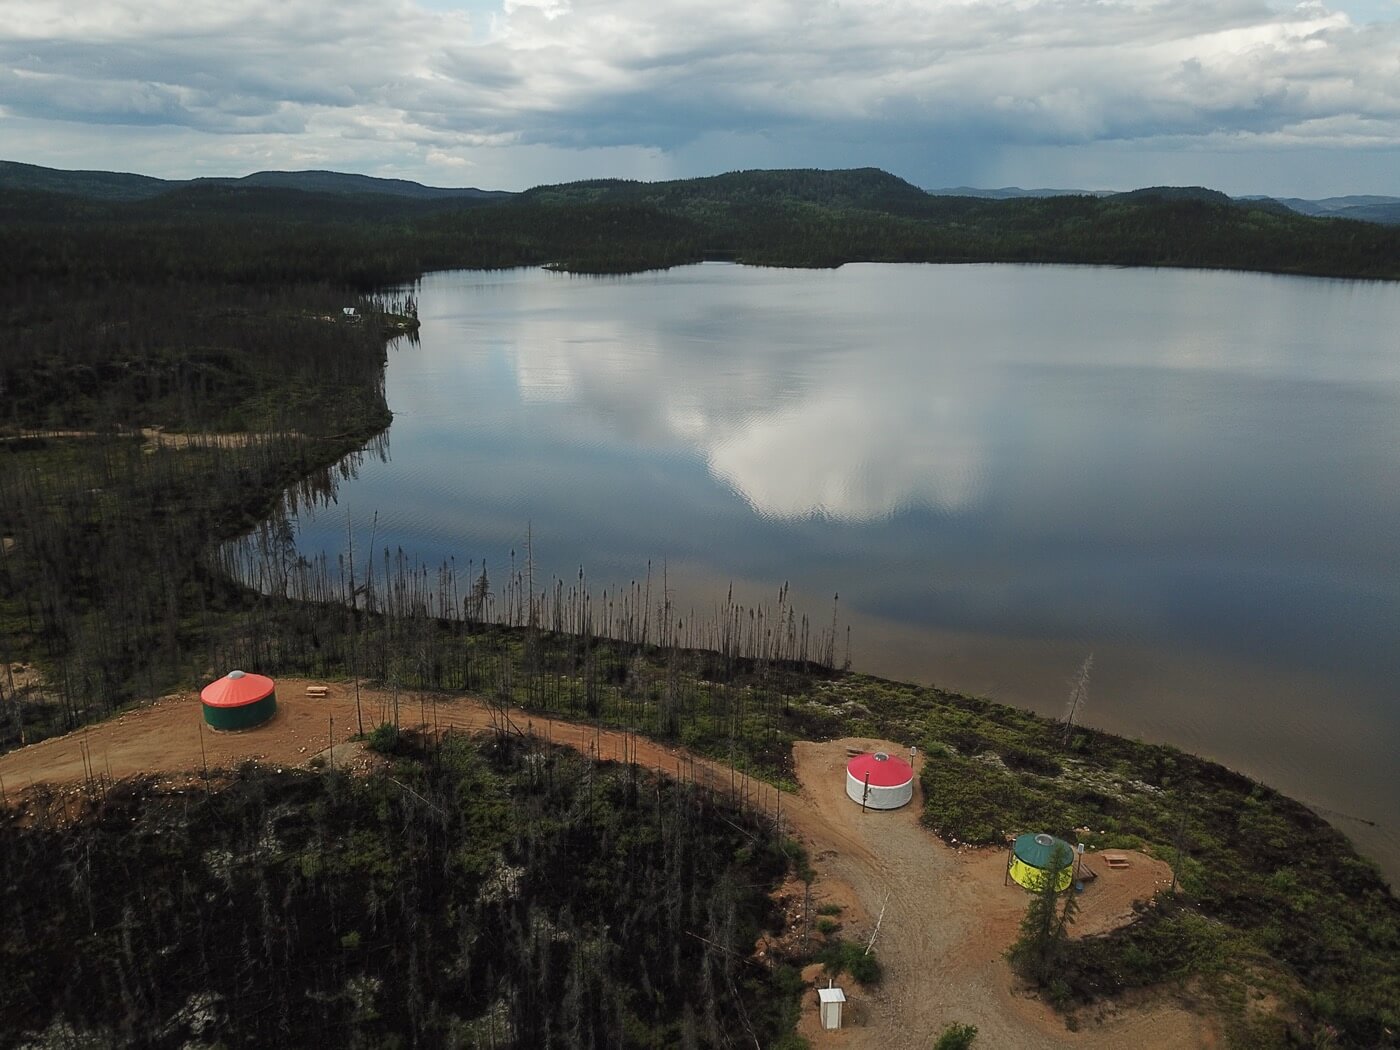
(1034, 858)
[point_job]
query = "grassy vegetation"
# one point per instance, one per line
(175, 311)
(195, 358)
(1271, 899)
(107, 588)
(1271, 896)
(105, 582)
(838, 957)
(476, 894)
(956, 1037)
(383, 738)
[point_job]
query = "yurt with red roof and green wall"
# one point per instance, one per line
(239, 700)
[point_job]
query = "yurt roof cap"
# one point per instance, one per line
(1038, 850)
(237, 688)
(883, 769)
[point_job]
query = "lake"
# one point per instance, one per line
(1192, 476)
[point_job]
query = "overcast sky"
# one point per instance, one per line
(1247, 96)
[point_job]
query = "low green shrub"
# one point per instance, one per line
(956, 1037)
(1031, 761)
(383, 739)
(980, 803)
(798, 858)
(848, 957)
(1167, 942)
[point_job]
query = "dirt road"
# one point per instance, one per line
(156, 437)
(948, 918)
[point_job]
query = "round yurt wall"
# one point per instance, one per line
(239, 701)
(1034, 855)
(879, 780)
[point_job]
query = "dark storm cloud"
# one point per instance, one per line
(875, 76)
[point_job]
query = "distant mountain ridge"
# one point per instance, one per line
(1362, 207)
(863, 188)
(98, 185)
(1006, 193)
(370, 233)
(124, 186)
(854, 187)
(1331, 205)
(1366, 207)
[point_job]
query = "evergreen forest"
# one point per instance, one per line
(478, 894)
(220, 231)
(181, 365)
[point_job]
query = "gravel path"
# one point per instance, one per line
(948, 918)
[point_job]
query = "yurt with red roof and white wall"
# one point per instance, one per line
(879, 780)
(239, 700)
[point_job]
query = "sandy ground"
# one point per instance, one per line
(947, 916)
(948, 919)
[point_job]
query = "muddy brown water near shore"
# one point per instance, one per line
(1000, 470)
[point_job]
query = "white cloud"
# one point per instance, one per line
(855, 440)
(436, 88)
(835, 456)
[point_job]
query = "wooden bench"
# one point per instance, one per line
(1115, 860)
(318, 691)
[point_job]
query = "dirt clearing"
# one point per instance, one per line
(947, 916)
(948, 919)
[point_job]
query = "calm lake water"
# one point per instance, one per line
(1193, 476)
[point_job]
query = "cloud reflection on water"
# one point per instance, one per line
(1189, 469)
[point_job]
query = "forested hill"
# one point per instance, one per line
(507, 894)
(122, 186)
(864, 189)
(325, 229)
